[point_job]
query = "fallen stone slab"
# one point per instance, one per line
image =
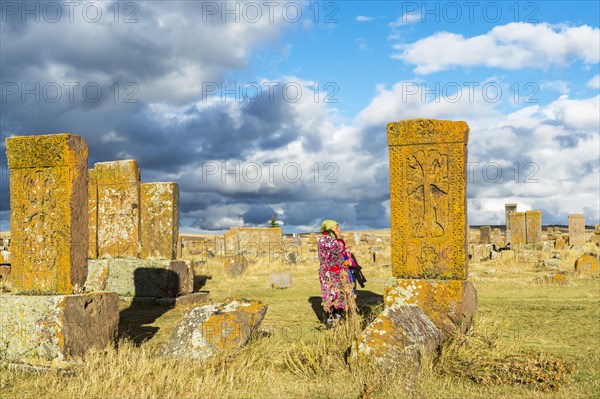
(141, 277)
(206, 330)
(56, 327)
(280, 280)
(400, 334)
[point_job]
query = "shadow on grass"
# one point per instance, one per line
(366, 301)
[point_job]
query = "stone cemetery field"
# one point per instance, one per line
(535, 336)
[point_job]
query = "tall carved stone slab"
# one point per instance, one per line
(576, 229)
(159, 220)
(508, 209)
(428, 198)
(118, 209)
(517, 228)
(533, 221)
(485, 235)
(93, 214)
(49, 218)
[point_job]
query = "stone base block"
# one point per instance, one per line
(449, 304)
(56, 327)
(401, 333)
(141, 277)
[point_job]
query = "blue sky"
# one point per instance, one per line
(524, 75)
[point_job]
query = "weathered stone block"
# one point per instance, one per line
(280, 280)
(428, 198)
(485, 235)
(587, 264)
(559, 244)
(517, 228)
(159, 220)
(92, 214)
(49, 218)
(449, 304)
(533, 221)
(400, 333)
(236, 266)
(142, 278)
(208, 329)
(253, 239)
(576, 229)
(118, 185)
(50, 327)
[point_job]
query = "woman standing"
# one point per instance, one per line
(337, 288)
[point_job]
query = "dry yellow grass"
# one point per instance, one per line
(293, 356)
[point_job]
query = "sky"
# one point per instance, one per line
(261, 108)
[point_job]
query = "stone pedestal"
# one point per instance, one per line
(449, 304)
(56, 327)
(141, 277)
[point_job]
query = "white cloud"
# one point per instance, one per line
(594, 83)
(364, 18)
(405, 19)
(512, 46)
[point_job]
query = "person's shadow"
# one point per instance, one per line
(366, 301)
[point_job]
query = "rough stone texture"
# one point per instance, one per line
(92, 214)
(208, 329)
(236, 266)
(517, 228)
(57, 326)
(253, 239)
(485, 235)
(508, 209)
(497, 237)
(449, 304)
(533, 221)
(118, 185)
(428, 198)
(576, 229)
(587, 264)
(280, 280)
(4, 272)
(159, 220)
(398, 334)
(550, 233)
(559, 244)
(49, 218)
(553, 279)
(143, 278)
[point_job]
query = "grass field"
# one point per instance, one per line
(294, 357)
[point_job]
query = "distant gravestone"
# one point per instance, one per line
(485, 236)
(517, 228)
(280, 280)
(508, 209)
(559, 244)
(596, 238)
(236, 266)
(576, 229)
(159, 220)
(533, 221)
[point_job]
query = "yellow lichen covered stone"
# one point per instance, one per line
(449, 304)
(587, 264)
(49, 213)
(428, 181)
(576, 229)
(253, 239)
(93, 214)
(533, 221)
(159, 220)
(118, 185)
(518, 228)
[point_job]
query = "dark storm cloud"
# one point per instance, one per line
(258, 214)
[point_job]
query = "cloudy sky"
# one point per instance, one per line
(259, 108)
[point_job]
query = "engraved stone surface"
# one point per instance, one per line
(118, 209)
(428, 198)
(576, 229)
(485, 235)
(56, 327)
(49, 212)
(253, 239)
(517, 228)
(508, 209)
(93, 214)
(533, 221)
(159, 220)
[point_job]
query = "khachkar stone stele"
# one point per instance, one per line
(576, 229)
(428, 199)
(49, 219)
(118, 185)
(49, 319)
(533, 222)
(518, 229)
(159, 220)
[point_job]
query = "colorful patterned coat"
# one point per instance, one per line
(336, 282)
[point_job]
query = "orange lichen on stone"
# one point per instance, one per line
(93, 214)
(253, 238)
(428, 198)
(518, 228)
(449, 304)
(118, 209)
(533, 222)
(587, 264)
(159, 220)
(49, 213)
